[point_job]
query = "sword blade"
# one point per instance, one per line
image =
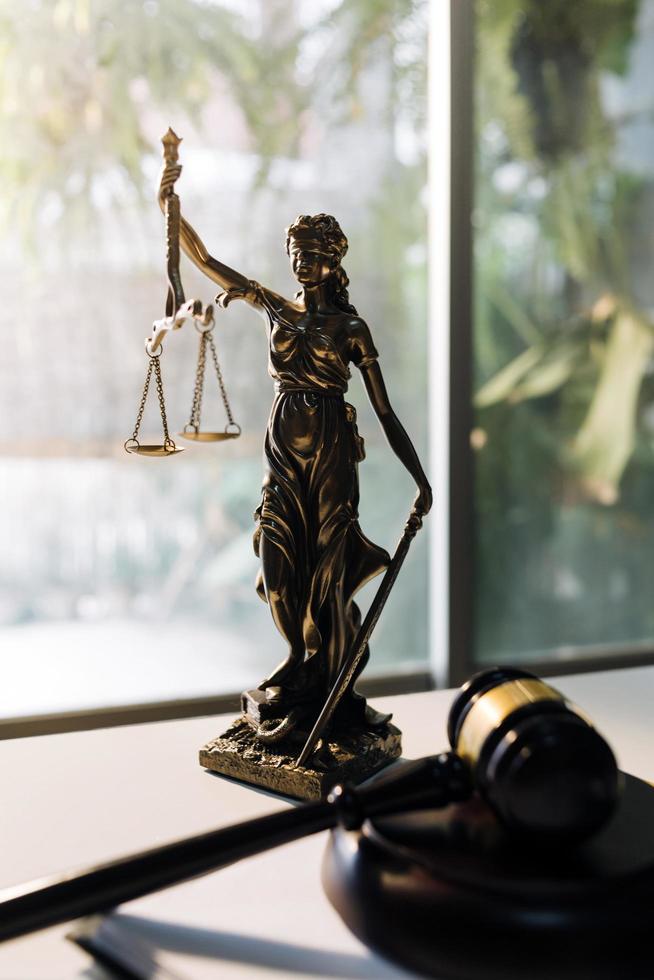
(359, 646)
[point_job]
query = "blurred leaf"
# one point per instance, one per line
(551, 373)
(606, 439)
(536, 372)
(513, 312)
(503, 384)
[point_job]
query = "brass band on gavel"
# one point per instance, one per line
(536, 758)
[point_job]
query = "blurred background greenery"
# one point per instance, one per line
(126, 580)
(563, 328)
(132, 581)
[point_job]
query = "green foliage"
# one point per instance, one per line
(607, 438)
(541, 67)
(86, 87)
(364, 24)
(79, 79)
(564, 337)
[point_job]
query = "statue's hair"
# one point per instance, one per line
(327, 229)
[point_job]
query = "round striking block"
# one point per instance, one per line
(450, 894)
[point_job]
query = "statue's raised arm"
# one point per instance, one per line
(236, 284)
(314, 556)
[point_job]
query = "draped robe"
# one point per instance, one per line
(310, 494)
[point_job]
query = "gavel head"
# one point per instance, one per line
(535, 758)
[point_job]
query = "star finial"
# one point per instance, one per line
(170, 143)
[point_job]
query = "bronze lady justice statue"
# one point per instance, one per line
(314, 555)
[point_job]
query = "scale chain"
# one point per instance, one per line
(162, 405)
(221, 383)
(199, 384)
(144, 398)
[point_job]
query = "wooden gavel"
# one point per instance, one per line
(430, 782)
(516, 740)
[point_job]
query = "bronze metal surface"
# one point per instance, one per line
(491, 709)
(205, 325)
(352, 756)
(205, 436)
(153, 450)
(314, 554)
(175, 295)
(167, 447)
(178, 310)
(349, 668)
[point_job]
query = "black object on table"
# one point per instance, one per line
(450, 894)
(506, 885)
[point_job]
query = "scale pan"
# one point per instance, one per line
(231, 431)
(209, 436)
(155, 450)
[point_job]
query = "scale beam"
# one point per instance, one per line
(191, 309)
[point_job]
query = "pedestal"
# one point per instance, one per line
(352, 758)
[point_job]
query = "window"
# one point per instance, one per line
(127, 581)
(562, 334)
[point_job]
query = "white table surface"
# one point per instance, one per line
(85, 797)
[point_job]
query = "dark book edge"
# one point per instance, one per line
(111, 945)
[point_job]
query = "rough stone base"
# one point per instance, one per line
(355, 757)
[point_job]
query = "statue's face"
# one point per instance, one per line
(309, 263)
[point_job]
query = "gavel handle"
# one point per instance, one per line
(50, 901)
(430, 782)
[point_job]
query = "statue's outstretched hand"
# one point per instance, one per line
(424, 499)
(421, 506)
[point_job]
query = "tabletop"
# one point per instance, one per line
(81, 798)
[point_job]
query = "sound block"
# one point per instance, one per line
(447, 894)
